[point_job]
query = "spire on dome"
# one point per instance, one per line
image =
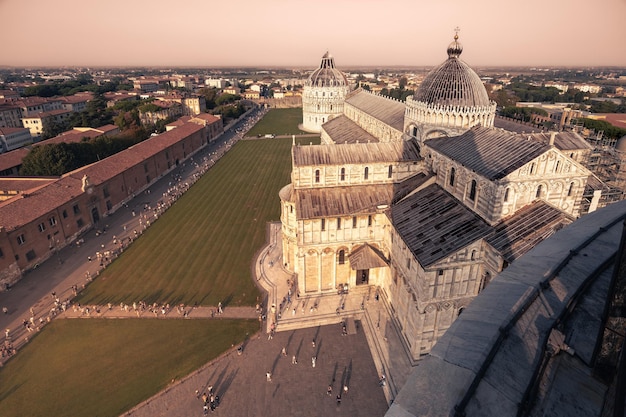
(455, 48)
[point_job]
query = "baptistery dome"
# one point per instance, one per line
(327, 75)
(453, 83)
(323, 95)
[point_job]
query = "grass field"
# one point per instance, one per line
(101, 367)
(200, 250)
(278, 122)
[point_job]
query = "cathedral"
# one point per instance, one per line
(423, 200)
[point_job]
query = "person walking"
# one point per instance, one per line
(268, 376)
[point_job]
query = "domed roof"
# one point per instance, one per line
(453, 83)
(327, 75)
(621, 144)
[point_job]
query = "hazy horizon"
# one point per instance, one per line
(274, 33)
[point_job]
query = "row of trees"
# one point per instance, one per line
(60, 158)
(82, 82)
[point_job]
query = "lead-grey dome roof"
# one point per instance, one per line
(327, 75)
(453, 83)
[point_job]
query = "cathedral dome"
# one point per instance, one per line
(453, 83)
(327, 75)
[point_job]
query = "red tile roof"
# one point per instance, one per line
(29, 206)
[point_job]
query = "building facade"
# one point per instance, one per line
(425, 201)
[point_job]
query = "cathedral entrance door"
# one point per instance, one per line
(362, 276)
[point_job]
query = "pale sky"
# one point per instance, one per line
(261, 33)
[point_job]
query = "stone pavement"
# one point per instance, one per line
(295, 389)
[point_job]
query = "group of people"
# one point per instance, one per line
(210, 401)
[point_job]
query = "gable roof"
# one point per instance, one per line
(491, 153)
(343, 130)
(313, 203)
(434, 225)
(522, 231)
(387, 110)
(354, 153)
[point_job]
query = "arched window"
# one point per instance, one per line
(473, 257)
(452, 171)
(414, 131)
(318, 106)
(539, 191)
(390, 172)
(341, 258)
(506, 195)
(366, 173)
(532, 168)
(353, 222)
(317, 175)
(338, 223)
(571, 189)
(369, 220)
(472, 195)
(556, 168)
(323, 224)
(331, 107)
(343, 174)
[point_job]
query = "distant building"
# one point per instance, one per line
(39, 122)
(14, 137)
(324, 95)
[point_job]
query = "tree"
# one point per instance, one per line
(47, 160)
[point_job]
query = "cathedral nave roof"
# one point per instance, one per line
(355, 153)
(492, 153)
(387, 110)
(434, 225)
(315, 203)
(343, 130)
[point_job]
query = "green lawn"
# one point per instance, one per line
(102, 367)
(278, 122)
(201, 249)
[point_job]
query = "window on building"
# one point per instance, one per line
(390, 171)
(76, 209)
(317, 175)
(539, 191)
(452, 172)
(41, 226)
(570, 191)
(109, 205)
(21, 239)
(473, 256)
(369, 220)
(341, 259)
(338, 223)
(323, 224)
(556, 167)
(408, 263)
(30, 255)
(342, 175)
(440, 272)
(52, 221)
(290, 209)
(472, 195)
(532, 168)
(64, 214)
(353, 222)
(145, 166)
(1, 253)
(506, 195)
(80, 223)
(366, 173)
(105, 191)
(414, 131)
